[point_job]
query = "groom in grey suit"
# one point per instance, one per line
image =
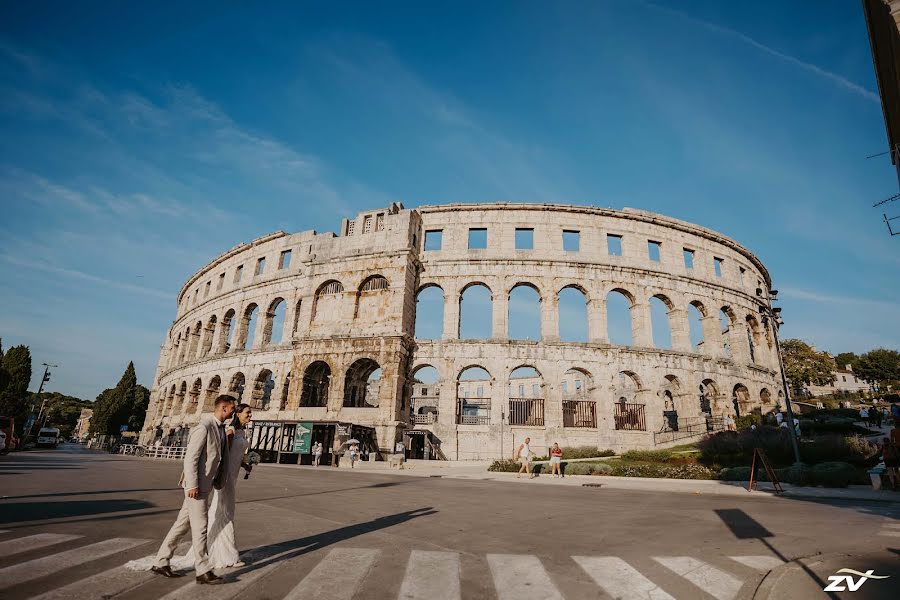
(204, 468)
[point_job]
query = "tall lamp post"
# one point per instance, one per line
(773, 315)
(44, 380)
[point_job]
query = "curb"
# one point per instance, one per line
(768, 582)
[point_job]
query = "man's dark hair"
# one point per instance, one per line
(225, 399)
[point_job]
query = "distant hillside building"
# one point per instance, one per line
(84, 423)
(845, 381)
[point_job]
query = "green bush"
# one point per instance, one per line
(656, 456)
(745, 421)
(838, 448)
(661, 470)
(586, 468)
(735, 449)
(582, 452)
(505, 466)
(799, 474)
(834, 474)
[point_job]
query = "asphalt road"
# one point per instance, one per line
(71, 517)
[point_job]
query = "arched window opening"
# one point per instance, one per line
(248, 327)
(226, 338)
(212, 392)
(261, 396)
(170, 404)
(628, 414)
(195, 396)
(695, 324)
(285, 388)
(765, 396)
(473, 396)
(659, 321)
(430, 313)
(572, 314)
(669, 390)
(579, 409)
(208, 334)
(709, 397)
(524, 315)
(476, 313)
(618, 318)
(274, 325)
(426, 393)
(236, 386)
(740, 400)
(725, 323)
(195, 341)
(526, 397)
(327, 305)
(754, 337)
(362, 385)
(316, 379)
(372, 300)
(181, 397)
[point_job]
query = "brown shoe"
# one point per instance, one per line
(166, 571)
(209, 578)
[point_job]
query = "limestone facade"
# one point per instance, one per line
(328, 332)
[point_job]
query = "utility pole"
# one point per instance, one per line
(44, 380)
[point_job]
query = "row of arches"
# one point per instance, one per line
(529, 315)
(526, 392)
(244, 330)
(362, 389)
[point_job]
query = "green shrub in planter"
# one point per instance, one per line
(505, 466)
(657, 456)
(833, 474)
(799, 474)
(586, 468)
(745, 421)
(735, 474)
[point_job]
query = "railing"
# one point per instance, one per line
(474, 411)
(430, 412)
(629, 417)
(689, 427)
(526, 411)
(173, 452)
(579, 413)
(424, 418)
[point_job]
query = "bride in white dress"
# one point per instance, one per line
(220, 532)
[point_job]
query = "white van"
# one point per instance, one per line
(48, 437)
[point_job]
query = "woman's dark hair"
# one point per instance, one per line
(235, 422)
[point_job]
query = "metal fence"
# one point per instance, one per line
(689, 427)
(474, 411)
(579, 413)
(526, 411)
(629, 417)
(173, 452)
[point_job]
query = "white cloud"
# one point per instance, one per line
(829, 76)
(826, 298)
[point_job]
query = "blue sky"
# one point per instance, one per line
(142, 139)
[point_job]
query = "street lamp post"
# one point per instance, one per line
(44, 380)
(773, 315)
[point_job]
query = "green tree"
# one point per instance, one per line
(4, 376)
(878, 366)
(62, 411)
(804, 365)
(16, 365)
(846, 358)
(125, 404)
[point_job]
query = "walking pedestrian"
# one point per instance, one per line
(354, 455)
(524, 454)
(779, 418)
(864, 415)
(556, 460)
(317, 453)
(891, 456)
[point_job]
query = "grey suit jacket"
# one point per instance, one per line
(203, 455)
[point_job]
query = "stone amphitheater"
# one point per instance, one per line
(318, 331)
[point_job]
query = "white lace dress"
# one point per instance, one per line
(220, 532)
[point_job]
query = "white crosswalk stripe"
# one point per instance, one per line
(33, 542)
(4, 530)
(231, 589)
(337, 576)
(619, 579)
(107, 583)
(713, 581)
(760, 563)
(47, 565)
(431, 575)
(521, 577)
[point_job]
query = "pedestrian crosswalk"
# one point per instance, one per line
(890, 528)
(343, 573)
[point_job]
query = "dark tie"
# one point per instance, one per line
(221, 473)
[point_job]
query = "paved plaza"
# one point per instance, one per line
(71, 517)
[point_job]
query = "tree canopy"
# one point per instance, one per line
(125, 404)
(846, 358)
(15, 375)
(804, 365)
(880, 366)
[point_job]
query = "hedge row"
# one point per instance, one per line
(826, 474)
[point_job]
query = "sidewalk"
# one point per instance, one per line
(477, 470)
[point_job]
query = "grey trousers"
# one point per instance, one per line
(193, 516)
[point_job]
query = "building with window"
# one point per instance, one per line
(334, 340)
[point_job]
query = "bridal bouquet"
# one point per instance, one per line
(253, 459)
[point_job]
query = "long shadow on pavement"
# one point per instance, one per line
(14, 512)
